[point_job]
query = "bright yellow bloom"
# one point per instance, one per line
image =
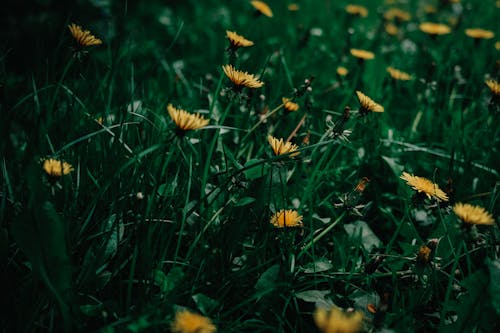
(497, 45)
(281, 148)
(189, 322)
(286, 218)
(289, 105)
(83, 38)
(368, 104)
(293, 7)
(241, 79)
(56, 168)
(473, 214)
(434, 28)
(357, 10)
(494, 86)
(342, 71)
(478, 33)
(425, 186)
(262, 8)
(398, 14)
(391, 29)
(186, 121)
(396, 74)
(362, 54)
(237, 40)
(338, 321)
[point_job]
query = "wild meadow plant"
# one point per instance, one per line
(199, 167)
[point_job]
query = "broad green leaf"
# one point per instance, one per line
(41, 236)
(269, 278)
(313, 296)
(494, 267)
(472, 308)
(244, 201)
(259, 170)
(359, 230)
(168, 282)
(320, 265)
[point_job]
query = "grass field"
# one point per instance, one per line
(377, 212)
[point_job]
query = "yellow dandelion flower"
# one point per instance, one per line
(338, 321)
(362, 54)
(431, 28)
(237, 41)
(342, 71)
(430, 9)
(396, 74)
(281, 148)
(241, 79)
(494, 86)
(286, 218)
(186, 121)
(262, 8)
(397, 14)
(424, 186)
(368, 104)
(424, 254)
(56, 168)
(83, 37)
(391, 29)
(478, 33)
(497, 45)
(357, 10)
(471, 214)
(289, 105)
(293, 7)
(189, 322)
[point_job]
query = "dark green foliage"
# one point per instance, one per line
(153, 220)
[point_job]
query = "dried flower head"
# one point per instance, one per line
(424, 186)
(368, 104)
(424, 254)
(189, 322)
(281, 148)
(240, 78)
(357, 10)
(237, 41)
(494, 86)
(478, 33)
(289, 105)
(434, 29)
(56, 168)
(83, 37)
(338, 321)
(342, 71)
(262, 8)
(362, 54)
(396, 74)
(471, 214)
(186, 121)
(391, 29)
(397, 14)
(286, 218)
(293, 7)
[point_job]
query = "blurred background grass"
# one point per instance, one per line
(148, 221)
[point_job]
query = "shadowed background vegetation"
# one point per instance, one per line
(149, 221)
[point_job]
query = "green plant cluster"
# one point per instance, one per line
(152, 219)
